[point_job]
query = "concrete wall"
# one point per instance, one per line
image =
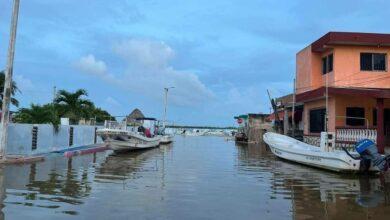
(309, 70)
(347, 67)
(317, 105)
(20, 138)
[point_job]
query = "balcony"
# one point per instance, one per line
(345, 137)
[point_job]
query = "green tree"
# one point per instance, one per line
(101, 115)
(73, 105)
(14, 89)
(38, 114)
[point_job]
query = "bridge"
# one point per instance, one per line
(200, 127)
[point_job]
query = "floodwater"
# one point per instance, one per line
(195, 178)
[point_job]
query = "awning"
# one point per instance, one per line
(363, 92)
(241, 116)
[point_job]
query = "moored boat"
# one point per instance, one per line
(166, 139)
(119, 137)
(322, 157)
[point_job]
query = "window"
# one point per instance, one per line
(373, 61)
(327, 64)
(355, 116)
(317, 120)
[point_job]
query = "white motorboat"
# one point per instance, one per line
(166, 139)
(120, 138)
(322, 157)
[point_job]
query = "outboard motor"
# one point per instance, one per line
(369, 154)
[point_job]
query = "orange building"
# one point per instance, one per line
(356, 68)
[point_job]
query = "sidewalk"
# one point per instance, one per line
(18, 159)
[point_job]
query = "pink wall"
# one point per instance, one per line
(337, 108)
(316, 105)
(309, 70)
(303, 70)
(347, 68)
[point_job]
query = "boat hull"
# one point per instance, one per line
(299, 152)
(166, 139)
(122, 141)
(123, 146)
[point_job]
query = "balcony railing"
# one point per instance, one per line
(345, 137)
(354, 135)
(115, 125)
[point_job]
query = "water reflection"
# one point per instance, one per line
(197, 178)
(124, 166)
(58, 184)
(317, 194)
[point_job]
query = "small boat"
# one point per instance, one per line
(166, 139)
(120, 138)
(321, 157)
(195, 132)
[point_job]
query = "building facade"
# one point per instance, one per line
(352, 70)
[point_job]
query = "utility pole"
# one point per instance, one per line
(8, 80)
(165, 104)
(326, 101)
(54, 93)
(274, 107)
(293, 111)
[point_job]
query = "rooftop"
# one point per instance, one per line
(350, 38)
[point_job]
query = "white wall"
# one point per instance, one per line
(20, 138)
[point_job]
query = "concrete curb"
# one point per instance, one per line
(10, 159)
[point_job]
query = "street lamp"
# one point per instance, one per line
(166, 89)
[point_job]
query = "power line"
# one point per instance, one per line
(358, 79)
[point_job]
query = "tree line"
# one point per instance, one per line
(72, 105)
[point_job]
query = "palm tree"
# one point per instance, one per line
(38, 114)
(14, 89)
(73, 105)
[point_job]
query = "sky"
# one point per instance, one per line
(221, 56)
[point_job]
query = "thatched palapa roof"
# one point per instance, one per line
(136, 113)
(133, 116)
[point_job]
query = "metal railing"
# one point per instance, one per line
(355, 134)
(115, 125)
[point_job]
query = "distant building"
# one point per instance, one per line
(252, 127)
(356, 66)
(284, 106)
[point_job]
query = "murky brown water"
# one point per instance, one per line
(195, 178)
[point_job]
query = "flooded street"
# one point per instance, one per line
(195, 178)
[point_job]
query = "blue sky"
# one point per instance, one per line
(220, 55)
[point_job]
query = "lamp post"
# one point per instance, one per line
(166, 103)
(8, 80)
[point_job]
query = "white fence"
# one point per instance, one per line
(30, 139)
(345, 137)
(355, 135)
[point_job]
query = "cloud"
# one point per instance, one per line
(89, 64)
(148, 71)
(23, 83)
(144, 52)
(113, 102)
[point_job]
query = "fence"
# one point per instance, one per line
(30, 139)
(345, 137)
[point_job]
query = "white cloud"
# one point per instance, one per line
(145, 53)
(90, 64)
(148, 71)
(23, 83)
(112, 102)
